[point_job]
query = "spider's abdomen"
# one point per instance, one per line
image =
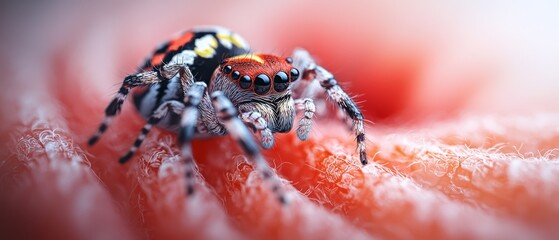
(201, 49)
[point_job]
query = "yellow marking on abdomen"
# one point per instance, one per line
(205, 46)
(206, 53)
(231, 38)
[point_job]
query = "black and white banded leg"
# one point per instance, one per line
(255, 119)
(135, 80)
(161, 111)
(189, 121)
(227, 114)
(305, 123)
(313, 72)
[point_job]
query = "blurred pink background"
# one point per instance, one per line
(405, 61)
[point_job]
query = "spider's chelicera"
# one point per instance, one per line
(206, 82)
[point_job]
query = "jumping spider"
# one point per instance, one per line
(206, 82)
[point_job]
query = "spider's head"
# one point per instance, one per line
(259, 83)
(264, 74)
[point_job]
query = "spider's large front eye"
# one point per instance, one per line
(281, 81)
(261, 84)
(294, 74)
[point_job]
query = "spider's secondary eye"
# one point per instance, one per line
(227, 69)
(235, 75)
(261, 84)
(281, 81)
(245, 82)
(294, 74)
(289, 60)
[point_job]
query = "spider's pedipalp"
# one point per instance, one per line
(305, 123)
(255, 119)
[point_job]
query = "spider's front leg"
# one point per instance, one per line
(189, 121)
(228, 115)
(312, 72)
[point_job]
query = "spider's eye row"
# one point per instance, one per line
(294, 74)
(262, 84)
(281, 81)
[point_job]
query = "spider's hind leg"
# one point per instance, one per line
(136, 80)
(131, 81)
(161, 111)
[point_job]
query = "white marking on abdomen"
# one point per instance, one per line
(185, 57)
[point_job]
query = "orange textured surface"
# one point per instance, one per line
(463, 145)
